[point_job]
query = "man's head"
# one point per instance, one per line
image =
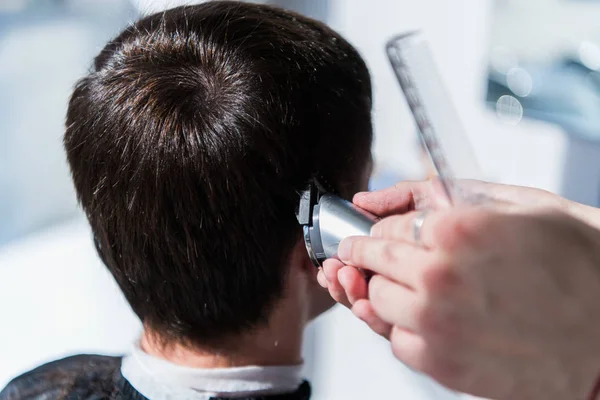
(189, 143)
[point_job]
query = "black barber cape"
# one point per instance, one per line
(93, 377)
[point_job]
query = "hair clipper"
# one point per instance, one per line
(327, 219)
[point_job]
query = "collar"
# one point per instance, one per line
(156, 378)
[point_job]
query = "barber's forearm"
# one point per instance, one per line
(532, 197)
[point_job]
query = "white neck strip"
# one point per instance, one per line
(158, 379)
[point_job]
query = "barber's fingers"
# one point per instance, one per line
(399, 198)
(408, 347)
(445, 230)
(402, 227)
(395, 259)
(321, 279)
(394, 303)
(364, 311)
(330, 269)
(432, 228)
(403, 197)
(354, 284)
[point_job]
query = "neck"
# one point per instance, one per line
(269, 350)
(277, 343)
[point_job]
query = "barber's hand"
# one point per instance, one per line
(519, 198)
(347, 286)
(496, 304)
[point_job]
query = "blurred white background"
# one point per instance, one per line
(56, 298)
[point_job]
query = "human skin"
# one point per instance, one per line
(500, 300)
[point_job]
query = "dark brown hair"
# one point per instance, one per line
(189, 143)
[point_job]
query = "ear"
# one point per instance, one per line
(301, 260)
(318, 299)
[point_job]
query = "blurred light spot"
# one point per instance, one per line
(503, 60)
(509, 110)
(589, 54)
(519, 81)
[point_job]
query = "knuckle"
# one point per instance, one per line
(465, 227)
(460, 229)
(389, 253)
(440, 277)
(444, 232)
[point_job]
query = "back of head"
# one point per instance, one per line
(189, 143)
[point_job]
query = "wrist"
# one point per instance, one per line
(585, 213)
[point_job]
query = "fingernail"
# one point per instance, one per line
(345, 249)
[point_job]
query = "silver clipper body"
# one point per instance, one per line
(327, 219)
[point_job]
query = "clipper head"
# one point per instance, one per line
(309, 199)
(326, 220)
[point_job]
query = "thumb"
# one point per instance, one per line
(403, 197)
